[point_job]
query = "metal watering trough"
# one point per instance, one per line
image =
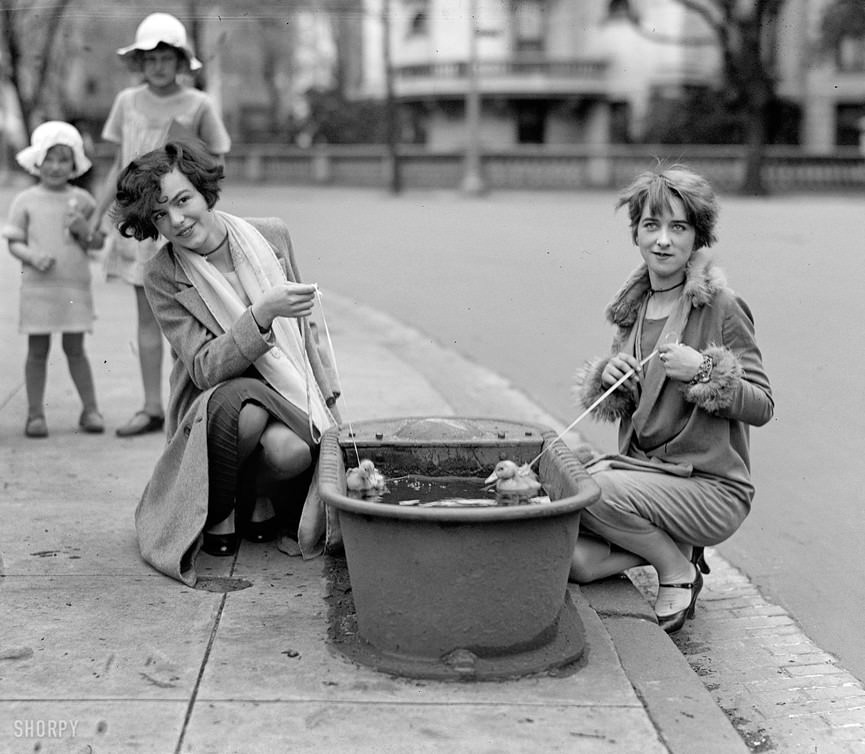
(459, 592)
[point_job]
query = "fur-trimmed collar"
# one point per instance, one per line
(702, 281)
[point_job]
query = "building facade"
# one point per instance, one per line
(829, 85)
(549, 72)
(586, 71)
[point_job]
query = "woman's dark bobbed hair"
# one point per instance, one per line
(139, 185)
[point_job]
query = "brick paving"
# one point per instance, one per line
(779, 689)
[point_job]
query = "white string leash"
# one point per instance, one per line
(611, 389)
(335, 370)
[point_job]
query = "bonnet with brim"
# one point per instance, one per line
(50, 134)
(156, 29)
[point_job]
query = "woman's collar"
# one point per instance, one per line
(702, 281)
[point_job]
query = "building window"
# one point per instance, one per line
(529, 25)
(531, 121)
(620, 122)
(848, 124)
(850, 55)
(619, 9)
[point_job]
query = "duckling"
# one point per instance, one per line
(511, 479)
(365, 478)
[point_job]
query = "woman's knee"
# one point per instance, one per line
(284, 453)
(251, 422)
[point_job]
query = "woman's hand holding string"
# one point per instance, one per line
(285, 300)
(681, 362)
(617, 367)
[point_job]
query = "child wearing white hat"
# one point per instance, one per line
(48, 231)
(142, 118)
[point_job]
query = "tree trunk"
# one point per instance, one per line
(13, 64)
(755, 147)
(756, 91)
(19, 38)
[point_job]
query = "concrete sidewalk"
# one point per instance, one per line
(100, 653)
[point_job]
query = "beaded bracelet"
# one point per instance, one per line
(704, 373)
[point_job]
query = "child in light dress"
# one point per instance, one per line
(48, 231)
(143, 117)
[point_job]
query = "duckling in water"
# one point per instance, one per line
(366, 478)
(514, 480)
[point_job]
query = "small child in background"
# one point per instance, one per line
(48, 231)
(144, 117)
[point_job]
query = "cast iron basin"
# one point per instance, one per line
(459, 592)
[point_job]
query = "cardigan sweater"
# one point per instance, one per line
(170, 516)
(700, 429)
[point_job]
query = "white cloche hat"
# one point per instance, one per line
(161, 28)
(50, 134)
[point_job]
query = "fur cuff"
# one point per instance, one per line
(717, 394)
(588, 387)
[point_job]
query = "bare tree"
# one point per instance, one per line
(346, 17)
(747, 36)
(29, 37)
(745, 32)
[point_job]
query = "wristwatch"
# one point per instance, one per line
(704, 373)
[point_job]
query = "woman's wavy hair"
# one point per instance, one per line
(657, 187)
(139, 186)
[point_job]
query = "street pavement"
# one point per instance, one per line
(100, 653)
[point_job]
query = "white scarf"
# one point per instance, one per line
(285, 366)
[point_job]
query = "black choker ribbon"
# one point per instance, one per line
(653, 291)
(218, 246)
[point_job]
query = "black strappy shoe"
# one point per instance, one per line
(219, 545)
(698, 558)
(672, 623)
(261, 531)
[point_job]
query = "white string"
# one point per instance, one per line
(335, 370)
(594, 405)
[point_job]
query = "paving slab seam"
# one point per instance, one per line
(396, 703)
(202, 667)
(10, 394)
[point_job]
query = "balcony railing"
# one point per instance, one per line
(583, 69)
(507, 76)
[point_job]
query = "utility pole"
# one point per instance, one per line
(395, 175)
(473, 182)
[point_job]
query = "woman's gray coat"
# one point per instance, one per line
(170, 517)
